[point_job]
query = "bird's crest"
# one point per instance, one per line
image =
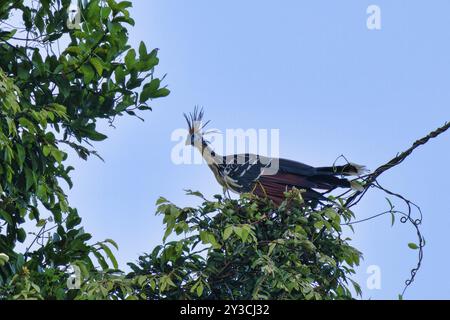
(195, 120)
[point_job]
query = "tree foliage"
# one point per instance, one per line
(239, 249)
(250, 249)
(56, 83)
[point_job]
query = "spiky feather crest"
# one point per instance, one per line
(194, 120)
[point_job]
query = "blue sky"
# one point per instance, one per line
(313, 70)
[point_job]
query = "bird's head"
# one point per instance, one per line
(195, 127)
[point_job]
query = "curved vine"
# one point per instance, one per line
(371, 181)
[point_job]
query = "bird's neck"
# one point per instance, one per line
(210, 156)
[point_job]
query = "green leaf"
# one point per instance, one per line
(174, 211)
(113, 243)
(22, 72)
(413, 246)
(88, 73)
(75, 50)
(3, 259)
(21, 235)
(271, 248)
(392, 218)
(46, 150)
(147, 64)
(142, 49)
(98, 65)
(200, 290)
(168, 232)
(100, 260)
(110, 255)
(59, 109)
(149, 91)
(6, 35)
(58, 155)
(30, 179)
(195, 193)
(95, 136)
(41, 223)
(319, 224)
(242, 233)
(227, 232)
(161, 200)
(20, 154)
(130, 59)
(6, 216)
(163, 92)
(24, 122)
(120, 74)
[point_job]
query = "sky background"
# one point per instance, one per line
(313, 70)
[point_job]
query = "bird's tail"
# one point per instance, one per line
(350, 169)
(356, 185)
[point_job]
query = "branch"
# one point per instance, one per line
(371, 181)
(371, 178)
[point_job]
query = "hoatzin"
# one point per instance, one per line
(249, 172)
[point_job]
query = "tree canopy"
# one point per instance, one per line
(250, 249)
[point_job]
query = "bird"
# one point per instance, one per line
(253, 173)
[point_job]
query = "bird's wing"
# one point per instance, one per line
(294, 167)
(244, 169)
